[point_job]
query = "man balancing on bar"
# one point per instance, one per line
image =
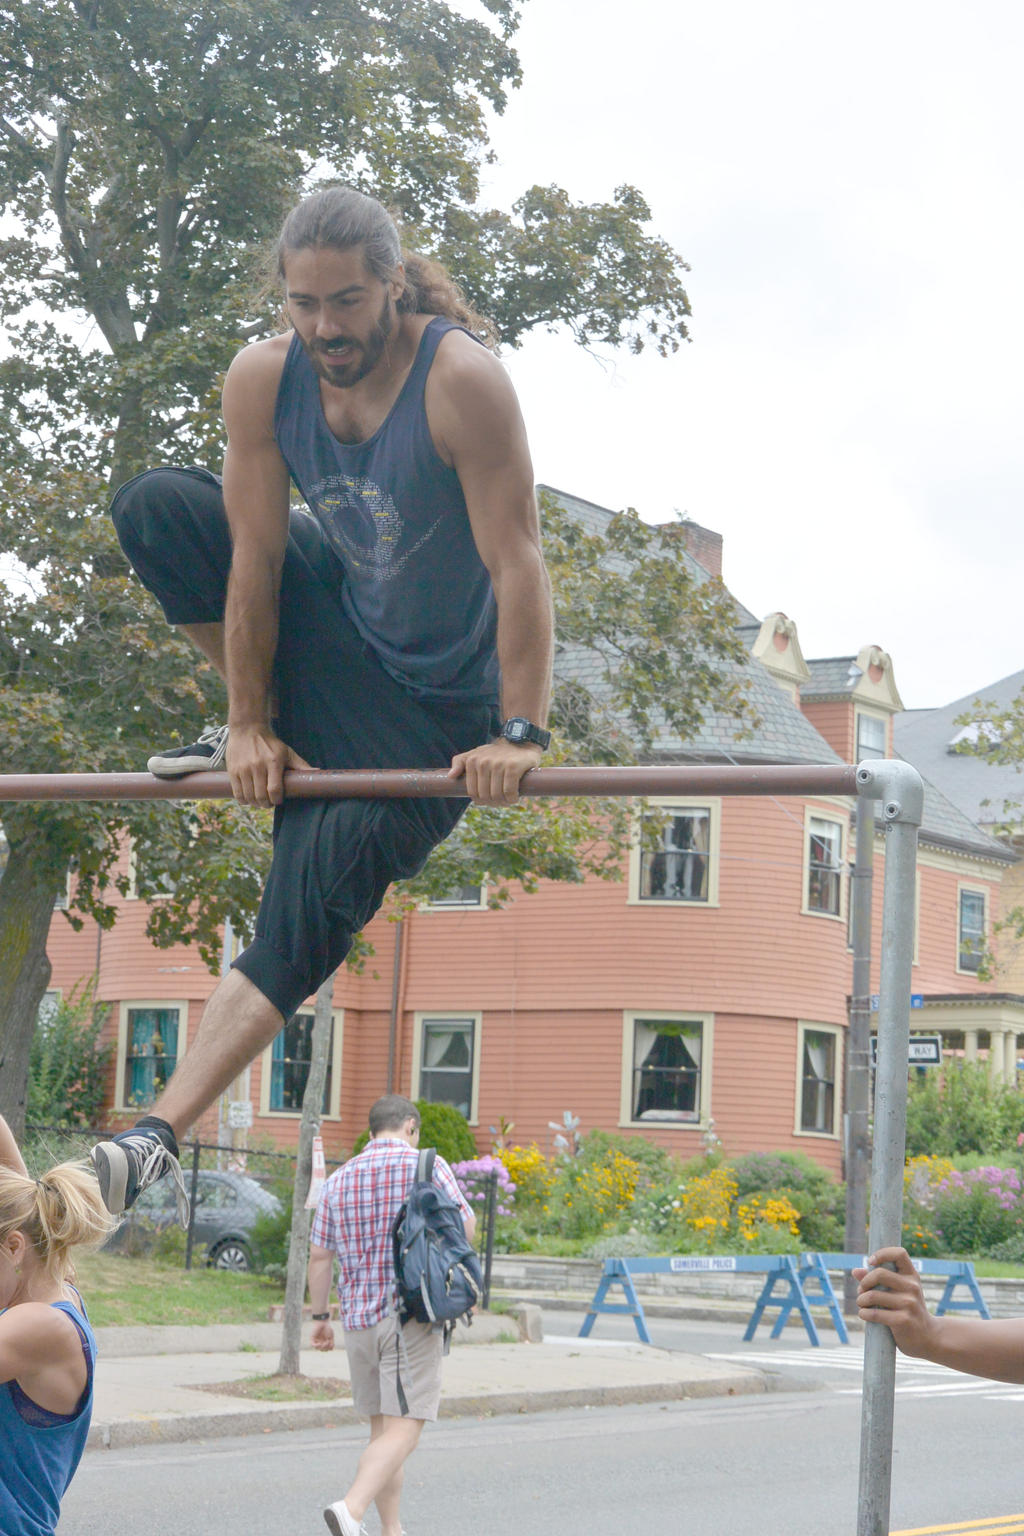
(371, 629)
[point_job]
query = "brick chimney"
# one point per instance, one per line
(704, 545)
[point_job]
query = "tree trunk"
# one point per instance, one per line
(26, 908)
(298, 1246)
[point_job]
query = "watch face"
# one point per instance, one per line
(515, 730)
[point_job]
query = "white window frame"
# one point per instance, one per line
(458, 905)
(267, 1067)
(711, 804)
(812, 813)
(805, 1027)
(472, 1016)
(124, 1007)
(633, 1016)
(869, 714)
(966, 887)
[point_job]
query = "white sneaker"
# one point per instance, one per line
(341, 1523)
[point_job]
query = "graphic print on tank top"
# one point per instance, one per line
(371, 513)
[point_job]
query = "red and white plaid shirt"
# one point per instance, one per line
(354, 1216)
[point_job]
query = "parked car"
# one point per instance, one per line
(227, 1207)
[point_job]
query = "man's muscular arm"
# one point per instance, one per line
(477, 425)
(256, 501)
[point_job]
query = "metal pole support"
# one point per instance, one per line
(901, 791)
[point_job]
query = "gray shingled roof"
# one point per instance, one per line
(980, 789)
(784, 734)
(831, 677)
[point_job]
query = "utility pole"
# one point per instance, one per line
(858, 1046)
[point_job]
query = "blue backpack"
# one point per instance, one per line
(437, 1272)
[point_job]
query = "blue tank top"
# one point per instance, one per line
(394, 514)
(40, 1450)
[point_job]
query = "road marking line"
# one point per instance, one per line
(995, 1525)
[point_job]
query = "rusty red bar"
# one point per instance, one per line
(401, 783)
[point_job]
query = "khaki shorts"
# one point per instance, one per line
(374, 1359)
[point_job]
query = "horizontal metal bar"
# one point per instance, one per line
(404, 783)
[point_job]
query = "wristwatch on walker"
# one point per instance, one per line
(517, 729)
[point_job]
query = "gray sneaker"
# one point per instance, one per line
(204, 754)
(130, 1163)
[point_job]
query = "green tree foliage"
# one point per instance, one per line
(68, 1065)
(147, 152)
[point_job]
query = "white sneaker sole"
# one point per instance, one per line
(111, 1165)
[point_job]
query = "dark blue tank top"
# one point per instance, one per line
(394, 515)
(40, 1450)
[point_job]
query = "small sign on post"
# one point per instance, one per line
(922, 1051)
(239, 1114)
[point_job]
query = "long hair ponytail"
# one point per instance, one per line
(341, 218)
(60, 1212)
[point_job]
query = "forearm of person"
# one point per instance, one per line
(318, 1276)
(250, 636)
(10, 1156)
(978, 1346)
(525, 636)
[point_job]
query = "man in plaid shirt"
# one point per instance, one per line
(354, 1217)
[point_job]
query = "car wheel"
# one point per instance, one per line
(231, 1255)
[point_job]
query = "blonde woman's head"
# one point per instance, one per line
(41, 1222)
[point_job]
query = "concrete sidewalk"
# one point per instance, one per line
(154, 1388)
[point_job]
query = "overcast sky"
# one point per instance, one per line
(845, 183)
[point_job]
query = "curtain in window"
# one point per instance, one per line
(679, 870)
(446, 1071)
(152, 1052)
(818, 1097)
(666, 1070)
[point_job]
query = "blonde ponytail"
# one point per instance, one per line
(57, 1213)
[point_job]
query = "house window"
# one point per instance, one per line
(824, 865)
(461, 896)
(971, 930)
(871, 737)
(291, 1056)
(151, 1052)
(667, 1060)
(818, 1082)
(679, 868)
(447, 1055)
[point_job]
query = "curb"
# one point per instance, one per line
(119, 1434)
(696, 1311)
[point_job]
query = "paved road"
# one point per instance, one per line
(786, 1462)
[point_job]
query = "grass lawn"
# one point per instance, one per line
(121, 1292)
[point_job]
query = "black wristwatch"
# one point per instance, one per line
(321, 1317)
(517, 729)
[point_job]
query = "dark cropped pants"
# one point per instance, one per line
(333, 860)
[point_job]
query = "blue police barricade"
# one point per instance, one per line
(782, 1288)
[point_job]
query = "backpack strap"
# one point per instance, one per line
(425, 1165)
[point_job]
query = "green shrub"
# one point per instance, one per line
(67, 1064)
(818, 1198)
(960, 1110)
(441, 1126)
(978, 1210)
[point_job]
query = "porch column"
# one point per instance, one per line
(997, 1055)
(1010, 1072)
(970, 1045)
